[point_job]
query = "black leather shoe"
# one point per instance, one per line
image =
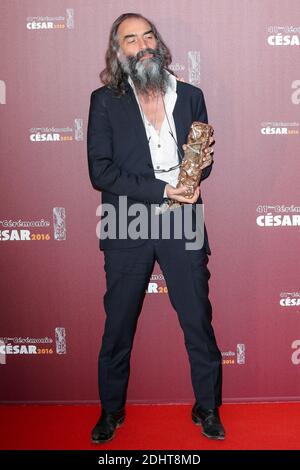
(106, 425)
(210, 422)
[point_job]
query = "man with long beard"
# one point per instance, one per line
(138, 125)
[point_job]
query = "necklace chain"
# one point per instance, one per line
(153, 122)
(170, 132)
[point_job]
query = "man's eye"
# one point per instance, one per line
(149, 36)
(131, 41)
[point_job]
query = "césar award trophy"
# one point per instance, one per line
(190, 173)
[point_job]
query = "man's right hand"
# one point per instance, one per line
(177, 194)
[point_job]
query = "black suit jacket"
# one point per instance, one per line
(118, 150)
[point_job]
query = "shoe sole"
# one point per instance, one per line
(197, 422)
(100, 441)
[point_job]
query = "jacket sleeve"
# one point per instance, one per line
(201, 115)
(105, 175)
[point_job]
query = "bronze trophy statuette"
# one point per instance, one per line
(190, 173)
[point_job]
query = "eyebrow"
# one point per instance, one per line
(134, 34)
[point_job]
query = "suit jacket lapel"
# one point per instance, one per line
(177, 114)
(132, 110)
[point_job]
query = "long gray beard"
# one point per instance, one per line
(148, 75)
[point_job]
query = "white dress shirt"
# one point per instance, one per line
(163, 147)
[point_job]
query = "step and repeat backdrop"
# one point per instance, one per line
(244, 55)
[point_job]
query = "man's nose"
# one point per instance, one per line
(142, 43)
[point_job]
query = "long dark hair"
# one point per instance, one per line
(113, 75)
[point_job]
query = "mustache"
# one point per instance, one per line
(148, 50)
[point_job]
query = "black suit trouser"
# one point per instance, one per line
(128, 272)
